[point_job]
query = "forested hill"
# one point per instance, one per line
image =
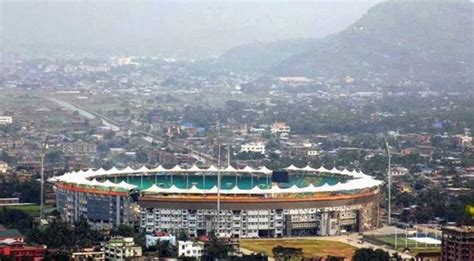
(392, 41)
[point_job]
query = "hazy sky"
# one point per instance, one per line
(167, 28)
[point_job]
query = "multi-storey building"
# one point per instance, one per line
(256, 147)
(5, 120)
(313, 202)
(280, 128)
(458, 243)
(121, 248)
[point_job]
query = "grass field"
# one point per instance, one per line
(311, 247)
(415, 248)
(32, 210)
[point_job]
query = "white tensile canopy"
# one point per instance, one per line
(247, 169)
(359, 180)
(322, 169)
(158, 169)
(177, 168)
(308, 168)
(143, 169)
(211, 168)
(292, 167)
(265, 170)
(195, 168)
(230, 169)
(126, 185)
(109, 183)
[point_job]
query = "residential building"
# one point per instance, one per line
(3, 167)
(190, 249)
(256, 147)
(457, 243)
(151, 240)
(20, 251)
(399, 171)
(5, 120)
(121, 248)
(280, 128)
(9, 201)
(88, 254)
(11, 234)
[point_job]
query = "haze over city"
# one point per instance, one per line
(237, 130)
(166, 28)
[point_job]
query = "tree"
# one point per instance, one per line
(84, 234)
(7, 258)
(215, 248)
(53, 156)
(124, 231)
(335, 258)
(363, 254)
(16, 218)
(286, 253)
(183, 235)
(165, 249)
(142, 157)
(56, 256)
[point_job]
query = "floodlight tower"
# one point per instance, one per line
(218, 189)
(389, 183)
(43, 152)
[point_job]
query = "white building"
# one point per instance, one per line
(257, 147)
(121, 248)
(399, 171)
(152, 240)
(280, 128)
(4, 120)
(190, 249)
(88, 254)
(3, 167)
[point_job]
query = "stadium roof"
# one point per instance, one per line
(89, 178)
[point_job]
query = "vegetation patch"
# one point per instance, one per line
(310, 247)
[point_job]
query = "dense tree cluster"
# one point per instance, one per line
(66, 237)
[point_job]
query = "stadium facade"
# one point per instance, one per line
(312, 202)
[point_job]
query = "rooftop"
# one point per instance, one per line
(461, 229)
(10, 233)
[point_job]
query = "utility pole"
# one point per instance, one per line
(42, 185)
(218, 188)
(43, 152)
(228, 155)
(387, 148)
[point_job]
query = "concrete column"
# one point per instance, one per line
(117, 210)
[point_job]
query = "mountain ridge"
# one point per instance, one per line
(393, 40)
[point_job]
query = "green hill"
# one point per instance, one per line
(393, 41)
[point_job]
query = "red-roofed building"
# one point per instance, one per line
(19, 250)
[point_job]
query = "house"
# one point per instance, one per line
(152, 240)
(399, 171)
(5, 120)
(121, 248)
(190, 249)
(12, 234)
(20, 251)
(3, 167)
(88, 254)
(280, 128)
(256, 147)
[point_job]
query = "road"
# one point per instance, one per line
(114, 125)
